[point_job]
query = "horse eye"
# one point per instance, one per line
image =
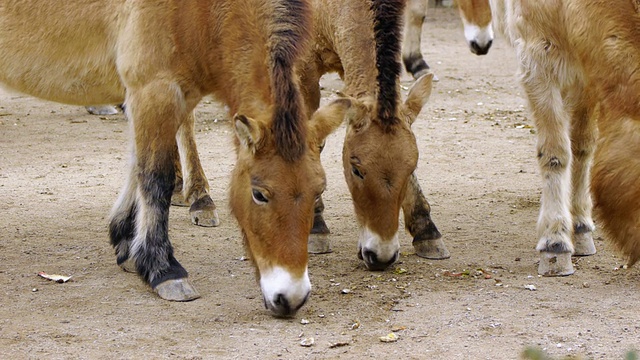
(259, 197)
(357, 172)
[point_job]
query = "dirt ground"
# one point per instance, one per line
(61, 170)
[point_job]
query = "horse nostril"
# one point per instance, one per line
(475, 48)
(283, 308)
(480, 50)
(370, 257)
(373, 263)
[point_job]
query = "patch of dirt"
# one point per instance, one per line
(61, 170)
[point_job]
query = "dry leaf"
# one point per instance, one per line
(53, 277)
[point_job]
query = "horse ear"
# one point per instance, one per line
(247, 131)
(359, 115)
(329, 117)
(418, 96)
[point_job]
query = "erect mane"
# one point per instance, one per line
(288, 38)
(388, 15)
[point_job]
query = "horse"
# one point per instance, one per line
(476, 18)
(160, 59)
(378, 146)
(380, 152)
(579, 65)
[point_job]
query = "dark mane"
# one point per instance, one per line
(388, 30)
(289, 35)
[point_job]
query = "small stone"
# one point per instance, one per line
(390, 337)
(530, 287)
(304, 321)
(307, 342)
(345, 291)
(34, 290)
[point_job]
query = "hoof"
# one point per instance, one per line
(555, 264)
(203, 212)
(319, 244)
(102, 110)
(177, 290)
(129, 266)
(431, 249)
(583, 244)
(422, 72)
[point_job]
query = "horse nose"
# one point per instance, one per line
(478, 49)
(284, 306)
(373, 263)
(284, 293)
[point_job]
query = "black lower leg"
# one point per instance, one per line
(417, 214)
(319, 225)
(154, 259)
(122, 231)
(415, 64)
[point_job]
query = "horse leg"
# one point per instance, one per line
(177, 198)
(123, 219)
(583, 138)
(191, 182)
(318, 242)
(427, 240)
(554, 159)
(414, 63)
(142, 212)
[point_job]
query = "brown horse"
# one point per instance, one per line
(580, 69)
(161, 58)
(476, 18)
(380, 152)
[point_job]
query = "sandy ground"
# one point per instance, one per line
(61, 170)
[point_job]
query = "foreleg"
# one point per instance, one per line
(140, 218)
(415, 14)
(552, 121)
(427, 240)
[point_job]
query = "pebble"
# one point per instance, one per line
(390, 337)
(306, 342)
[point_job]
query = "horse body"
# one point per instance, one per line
(476, 18)
(161, 58)
(580, 68)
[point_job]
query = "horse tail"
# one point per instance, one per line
(290, 32)
(388, 15)
(615, 184)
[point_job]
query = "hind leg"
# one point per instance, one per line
(583, 138)
(192, 187)
(427, 240)
(139, 224)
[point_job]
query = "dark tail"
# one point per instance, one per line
(388, 15)
(288, 39)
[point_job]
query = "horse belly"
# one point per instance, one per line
(60, 51)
